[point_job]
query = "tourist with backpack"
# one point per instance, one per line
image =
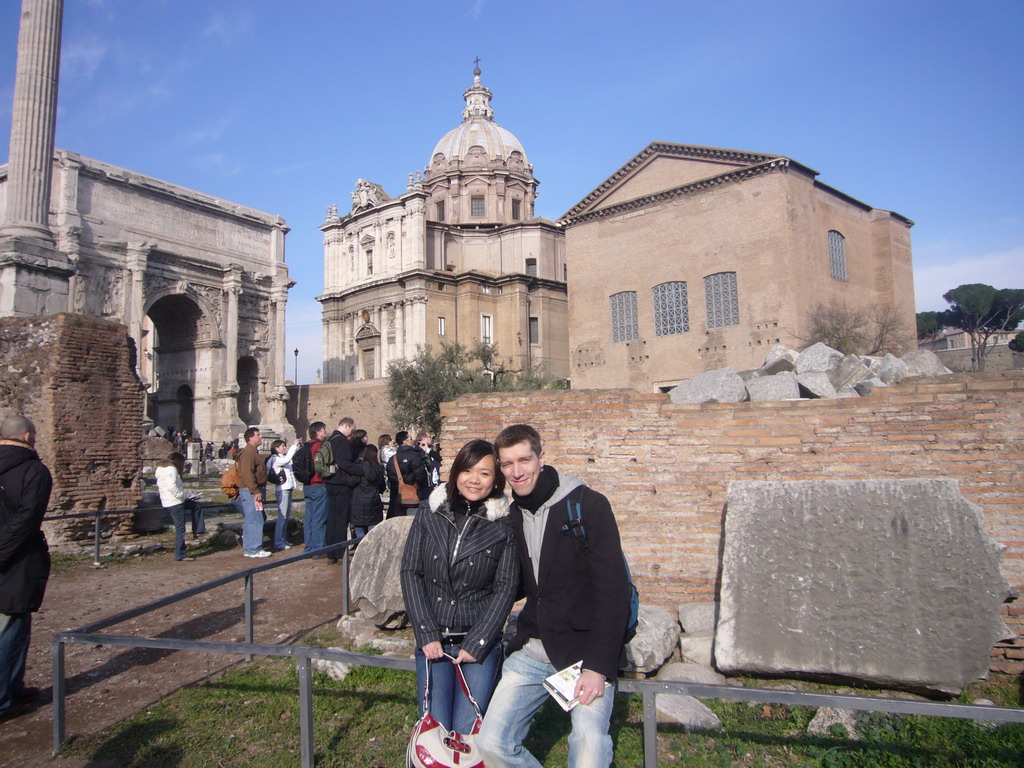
(577, 608)
(314, 524)
(280, 473)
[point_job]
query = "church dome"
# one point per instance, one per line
(478, 129)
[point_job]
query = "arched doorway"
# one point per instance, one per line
(248, 377)
(175, 348)
(186, 408)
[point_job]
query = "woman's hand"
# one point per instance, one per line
(464, 656)
(433, 650)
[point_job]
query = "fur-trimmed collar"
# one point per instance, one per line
(495, 509)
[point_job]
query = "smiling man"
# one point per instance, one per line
(577, 608)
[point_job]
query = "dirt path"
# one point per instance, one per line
(105, 684)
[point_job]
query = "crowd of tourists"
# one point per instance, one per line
(471, 551)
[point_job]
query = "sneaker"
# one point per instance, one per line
(282, 548)
(185, 559)
(261, 553)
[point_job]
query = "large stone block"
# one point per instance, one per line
(892, 370)
(655, 640)
(816, 384)
(849, 373)
(879, 581)
(698, 617)
(818, 358)
(723, 385)
(375, 575)
(924, 362)
(781, 386)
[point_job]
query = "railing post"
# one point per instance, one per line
(58, 694)
(650, 731)
(344, 582)
(96, 538)
(305, 670)
(248, 611)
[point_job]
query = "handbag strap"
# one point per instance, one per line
(462, 682)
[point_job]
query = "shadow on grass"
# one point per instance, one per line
(137, 746)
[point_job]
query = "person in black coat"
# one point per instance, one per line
(460, 574)
(24, 556)
(367, 506)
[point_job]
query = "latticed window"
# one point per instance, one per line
(723, 303)
(476, 206)
(837, 254)
(671, 311)
(624, 325)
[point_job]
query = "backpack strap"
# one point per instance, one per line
(574, 522)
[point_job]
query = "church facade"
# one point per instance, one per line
(689, 258)
(458, 257)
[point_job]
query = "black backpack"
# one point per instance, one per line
(302, 464)
(275, 476)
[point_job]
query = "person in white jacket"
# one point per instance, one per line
(179, 502)
(280, 461)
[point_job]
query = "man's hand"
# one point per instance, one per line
(433, 650)
(259, 503)
(464, 656)
(589, 687)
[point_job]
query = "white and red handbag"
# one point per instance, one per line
(433, 746)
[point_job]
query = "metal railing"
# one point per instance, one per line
(304, 656)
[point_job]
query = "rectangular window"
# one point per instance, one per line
(516, 212)
(722, 300)
(440, 326)
(535, 330)
(671, 311)
(440, 211)
(476, 205)
(486, 329)
(531, 267)
(624, 322)
(485, 289)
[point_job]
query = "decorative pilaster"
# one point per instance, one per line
(135, 304)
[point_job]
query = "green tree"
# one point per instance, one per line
(928, 325)
(1017, 343)
(982, 311)
(417, 387)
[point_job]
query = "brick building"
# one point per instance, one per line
(717, 255)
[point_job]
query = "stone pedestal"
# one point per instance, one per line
(33, 278)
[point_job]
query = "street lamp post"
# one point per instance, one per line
(296, 366)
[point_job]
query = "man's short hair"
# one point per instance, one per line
(315, 427)
(401, 436)
(347, 420)
(15, 427)
(516, 434)
(250, 432)
(422, 434)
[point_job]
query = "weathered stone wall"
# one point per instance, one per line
(666, 467)
(365, 401)
(74, 376)
(1000, 358)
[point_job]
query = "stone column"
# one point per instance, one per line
(419, 320)
(33, 121)
(33, 273)
(418, 235)
(135, 301)
(400, 330)
(229, 425)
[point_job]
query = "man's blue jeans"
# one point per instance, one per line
(519, 694)
(284, 508)
(315, 521)
(15, 631)
(252, 522)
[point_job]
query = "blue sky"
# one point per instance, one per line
(911, 106)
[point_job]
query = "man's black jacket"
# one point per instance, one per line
(24, 556)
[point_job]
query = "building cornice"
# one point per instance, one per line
(771, 165)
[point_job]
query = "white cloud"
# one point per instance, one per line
(221, 163)
(81, 58)
(478, 10)
(210, 132)
(228, 29)
(1002, 269)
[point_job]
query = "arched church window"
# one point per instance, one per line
(531, 267)
(671, 309)
(837, 254)
(624, 321)
(722, 300)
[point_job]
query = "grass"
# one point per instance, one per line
(249, 717)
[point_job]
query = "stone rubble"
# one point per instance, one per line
(818, 372)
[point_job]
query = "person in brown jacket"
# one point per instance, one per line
(253, 473)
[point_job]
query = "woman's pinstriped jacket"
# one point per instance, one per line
(466, 582)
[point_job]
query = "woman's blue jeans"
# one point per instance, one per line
(447, 703)
(177, 513)
(284, 508)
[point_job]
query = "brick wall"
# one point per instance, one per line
(365, 401)
(74, 377)
(666, 468)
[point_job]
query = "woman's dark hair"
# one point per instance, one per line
(276, 444)
(357, 437)
(370, 454)
(468, 457)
